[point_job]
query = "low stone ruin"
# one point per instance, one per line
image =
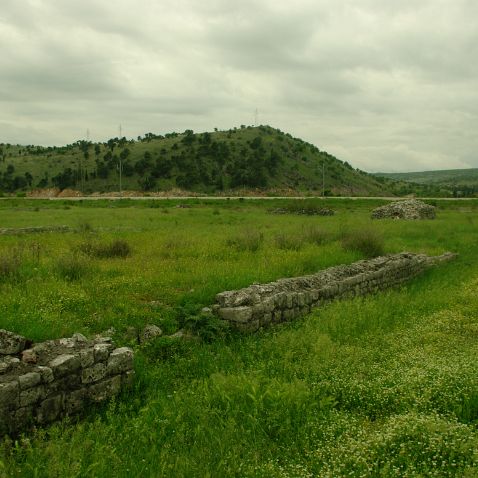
(306, 211)
(257, 306)
(40, 383)
(409, 209)
(4, 231)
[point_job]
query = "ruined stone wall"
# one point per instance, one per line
(286, 299)
(57, 378)
(31, 230)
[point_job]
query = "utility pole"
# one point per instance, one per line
(256, 116)
(323, 179)
(120, 176)
(120, 131)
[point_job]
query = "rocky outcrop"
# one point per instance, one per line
(257, 306)
(409, 209)
(53, 379)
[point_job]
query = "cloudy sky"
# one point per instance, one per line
(386, 85)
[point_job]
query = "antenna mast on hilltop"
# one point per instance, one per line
(120, 131)
(256, 117)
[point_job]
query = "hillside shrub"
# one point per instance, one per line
(106, 250)
(11, 262)
(315, 235)
(73, 267)
(367, 241)
(246, 240)
(289, 242)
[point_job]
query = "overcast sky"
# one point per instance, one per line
(386, 85)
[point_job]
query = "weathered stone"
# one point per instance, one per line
(9, 394)
(286, 299)
(10, 343)
(29, 380)
(149, 333)
(75, 401)
(236, 314)
(102, 351)
(64, 386)
(408, 209)
(65, 364)
(93, 374)
(87, 357)
(106, 389)
(32, 395)
(120, 360)
(49, 409)
(46, 374)
(29, 356)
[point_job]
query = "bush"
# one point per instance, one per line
(315, 235)
(289, 242)
(10, 265)
(367, 241)
(85, 227)
(246, 240)
(73, 267)
(116, 248)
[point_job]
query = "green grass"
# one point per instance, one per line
(378, 386)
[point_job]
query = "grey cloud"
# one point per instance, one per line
(383, 85)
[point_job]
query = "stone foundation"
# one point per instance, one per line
(286, 299)
(32, 230)
(57, 378)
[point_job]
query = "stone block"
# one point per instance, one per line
(87, 357)
(65, 364)
(75, 401)
(105, 389)
(29, 380)
(236, 314)
(32, 395)
(9, 394)
(102, 351)
(10, 343)
(149, 333)
(120, 361)
(265, 320)
(22, 418)
(46, 374)
(49, 409)
(94, 373)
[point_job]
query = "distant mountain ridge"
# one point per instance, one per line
(455, 182)
(245, 158)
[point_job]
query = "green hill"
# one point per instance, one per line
(456, 182)
(245, 158)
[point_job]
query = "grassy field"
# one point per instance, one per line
(385, 385)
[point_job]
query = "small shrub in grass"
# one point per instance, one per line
(73, 267)
(289, 242)
(247, 240)
(315, 235)
(85, 227)
(367, 241)
(207, 326)
(116, 248)
(10, 265)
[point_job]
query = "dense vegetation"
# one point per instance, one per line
(378, 386)
(451, 182)
(245, 158)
